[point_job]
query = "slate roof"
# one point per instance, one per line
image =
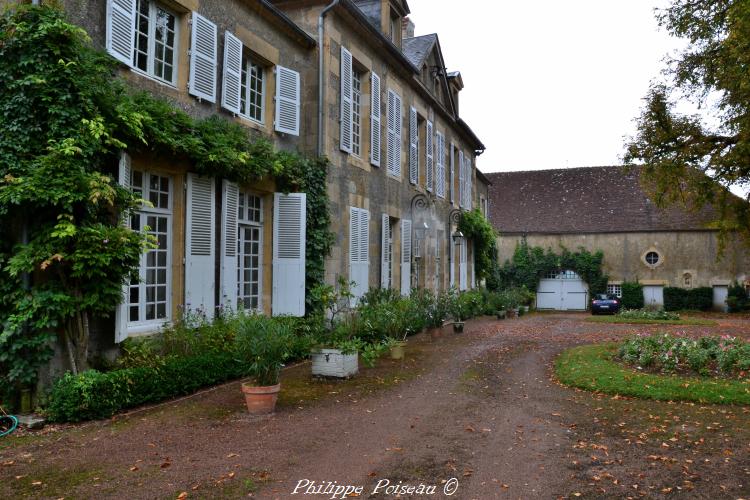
(417, 49)
(582, 200)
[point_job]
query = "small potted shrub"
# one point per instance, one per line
(459, 311)
(264, 344)
(337, 353)
(438, 312)
(396, 347)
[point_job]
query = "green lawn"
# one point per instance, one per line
(641, 321)
(593, 368)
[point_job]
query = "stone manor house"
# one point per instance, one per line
(345, 79)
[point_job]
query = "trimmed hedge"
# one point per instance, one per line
(695, 299)
(94, 395)
(632, 295)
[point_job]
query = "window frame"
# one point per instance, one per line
(149, 325)
(249, 60)
(245, 222)
(149, 72)
(357, 77)
(614, 289)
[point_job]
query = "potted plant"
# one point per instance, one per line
(396, 347)
(337, 358)
(458, 312)
(438, 311)
(264, 344)
(337, 355)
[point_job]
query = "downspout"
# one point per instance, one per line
(321, 75)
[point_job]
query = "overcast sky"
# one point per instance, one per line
(549, 83)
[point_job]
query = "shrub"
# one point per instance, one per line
(737, 299)
(263, 345)
(680, 299)
(93, 394)
(724, 355)
(648, 314)
(632, 295)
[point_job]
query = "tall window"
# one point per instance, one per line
(356, 112)
(252, 89)
(149, 297)
(249, 251)
(155, 41)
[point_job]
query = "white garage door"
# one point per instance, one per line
(720, 298)
(653, 296)
(563, 291)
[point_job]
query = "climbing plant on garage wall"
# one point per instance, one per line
(529, 264)
(64, 118)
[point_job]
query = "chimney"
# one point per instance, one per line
(407, 28)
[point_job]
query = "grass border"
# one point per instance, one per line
(591, 367)
(642, 321)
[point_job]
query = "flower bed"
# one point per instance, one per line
(724, 356)
(657, 315)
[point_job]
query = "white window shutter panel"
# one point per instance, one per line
(440, 167)
(345, 118)
(452, 249)
(398, 129)
(289, 233)
(230, 197)
(232, 78)
(203, 49)
(461, 168)
(124, 178)
(354, 240)
(375, 142)
(287, 101)
(462, 276)
(452, 186)
(469, 182)
(200, 243)
(405, 257)
(359, 241)
(429, 158)
(121, 30)
(413, 146)
(385, 257)
(391, 133)
(364, 247)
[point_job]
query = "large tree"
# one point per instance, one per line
(698, 158)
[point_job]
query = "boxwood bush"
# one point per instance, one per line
(94, 394)
(632, 295)
(696, 299)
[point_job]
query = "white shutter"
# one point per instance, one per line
(287, 100)
(385, 256)
(452, 250)
(452, 186)
(469, 183)
(289, 231)
(391, 133)
(429, 158)
(232, 81)
(413, 146)
(121, 30)
(200, 257)
(461, 197)
(375, 145)
(440, 161)
(405, 257)
(345, 119)
(359, 242)
(124, 178)
(462, 265)
(398, 126)
(230, 197)
(203, 42)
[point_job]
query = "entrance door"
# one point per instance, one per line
(653, 296)
(720, 298)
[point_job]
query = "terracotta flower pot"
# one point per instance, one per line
(397, 351)
(436, 332)
(260, 400)
(458, 327)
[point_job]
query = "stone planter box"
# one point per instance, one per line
(333, 363)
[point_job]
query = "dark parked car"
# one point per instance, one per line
(603, 303)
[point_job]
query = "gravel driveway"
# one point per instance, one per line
(477, 415)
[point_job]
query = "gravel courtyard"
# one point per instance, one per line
(481, 407)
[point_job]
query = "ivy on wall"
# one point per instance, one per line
(64, 117)
(475, 226)
(529, 264)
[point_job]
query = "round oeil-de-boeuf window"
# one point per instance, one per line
(652, 258)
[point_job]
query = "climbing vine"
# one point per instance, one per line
(475, 226)
(529, 264)
(64, 118)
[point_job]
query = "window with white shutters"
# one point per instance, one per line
(287, 100)
(429, 157)
(359, 251)
(386, 252)
(394, 134)
(203, 50)
(200, 240)
(345, 117)
(461, 169)
(289, 232)
(440, 165)
(413, 146)
(375, 132)
(250, 251)
(149, 296)
(406, 251)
